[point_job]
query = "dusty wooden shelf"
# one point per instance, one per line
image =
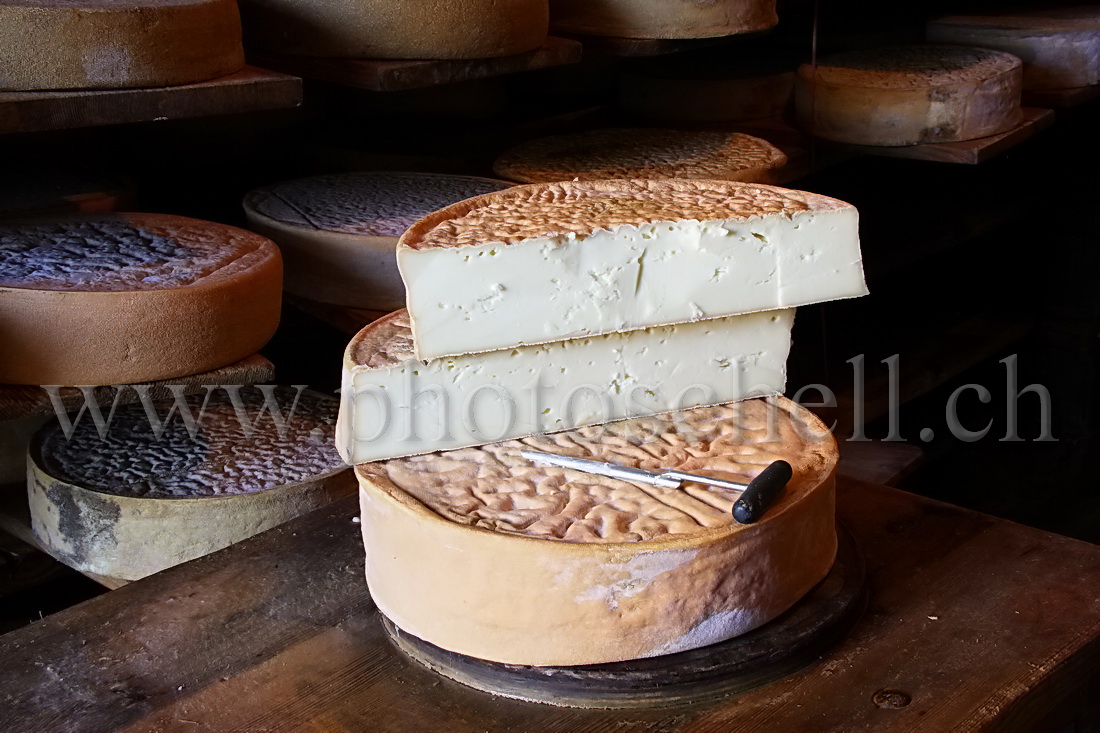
(380, 75)
(1061, 98)
(249, 90)
(974, 624)
(18, 401)
(779, 131)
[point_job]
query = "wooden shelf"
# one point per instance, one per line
(18, 401)
(279, 631)
(343, 318)
(1061, 98)
(778, 131)
(642, 47)
(249, 90)
(380, 75)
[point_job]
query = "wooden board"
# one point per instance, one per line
(1061, 98)
(974, 624)
(19, 401)
(878, 461)
(249, 90)
(380, 75)
(640, 47)
(779, 131)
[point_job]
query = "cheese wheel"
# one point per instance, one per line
(84, 44)
(662, 18)
(396, 29)
(641, 153)
(123, 298)
(483, 553)
(151, 494)
(1060, 49)
(711, 89)
(339, 233)
(910, 95)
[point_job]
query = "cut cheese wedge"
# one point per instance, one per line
(553, 261)
(642, 153)
(124, 298)
(396, 29)
(338, 233)
(153, 490)
(480, 552)
(661, 18)
(395, 405)
(1060, 48)
(908, 95)
(89, 44)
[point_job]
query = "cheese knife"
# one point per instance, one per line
(756, 496)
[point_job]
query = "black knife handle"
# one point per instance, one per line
(761, 492)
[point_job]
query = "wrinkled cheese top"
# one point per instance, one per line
(235, 449)
(581, 207)
(911, 67)
(123, 252)
(375, 203)
(495, 488)
(638, 153)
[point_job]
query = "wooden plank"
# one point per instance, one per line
(974, 623)
(878, 461)
(24, 401)
(1061, 98)
(15, 519)
(380, 75)
(779, 131)
(642, 47)
(249, 90)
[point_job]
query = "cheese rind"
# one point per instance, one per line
(546, 262)
(83, 44)
(1059, 49)
(133, 503)
(462, 583)
(124, 298)
(661, 18)
(394, 404)
(395, 29)
(641, 153)
(338, 233)
(910, 95)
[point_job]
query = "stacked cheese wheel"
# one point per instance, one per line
(146, 491)
(615, 319)
(910, 95)
(1060, 48)
(642, 153)
(661, 18)
(338, 233)
(85, 44)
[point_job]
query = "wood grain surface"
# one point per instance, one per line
(974, 624)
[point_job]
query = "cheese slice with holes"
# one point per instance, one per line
(553, 261)
(394, 404)
(481, 552)
(338, 233)
(642, 153)
(1060, 48)
(908, 95)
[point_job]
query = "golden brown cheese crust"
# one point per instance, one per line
(580, 207)
(913, 67)
(493, 487)
(662, 18)
(641, 153)
(80, 44)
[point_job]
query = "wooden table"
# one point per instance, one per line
(974, 624)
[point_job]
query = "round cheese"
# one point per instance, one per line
(910, 95)
(339, 233)
(85, 44)
(396, 29)
(661, 18)
(689, 89)
(641, 153)
(123, 298)
(483, 553)
(1060, 48)
(153, 492)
